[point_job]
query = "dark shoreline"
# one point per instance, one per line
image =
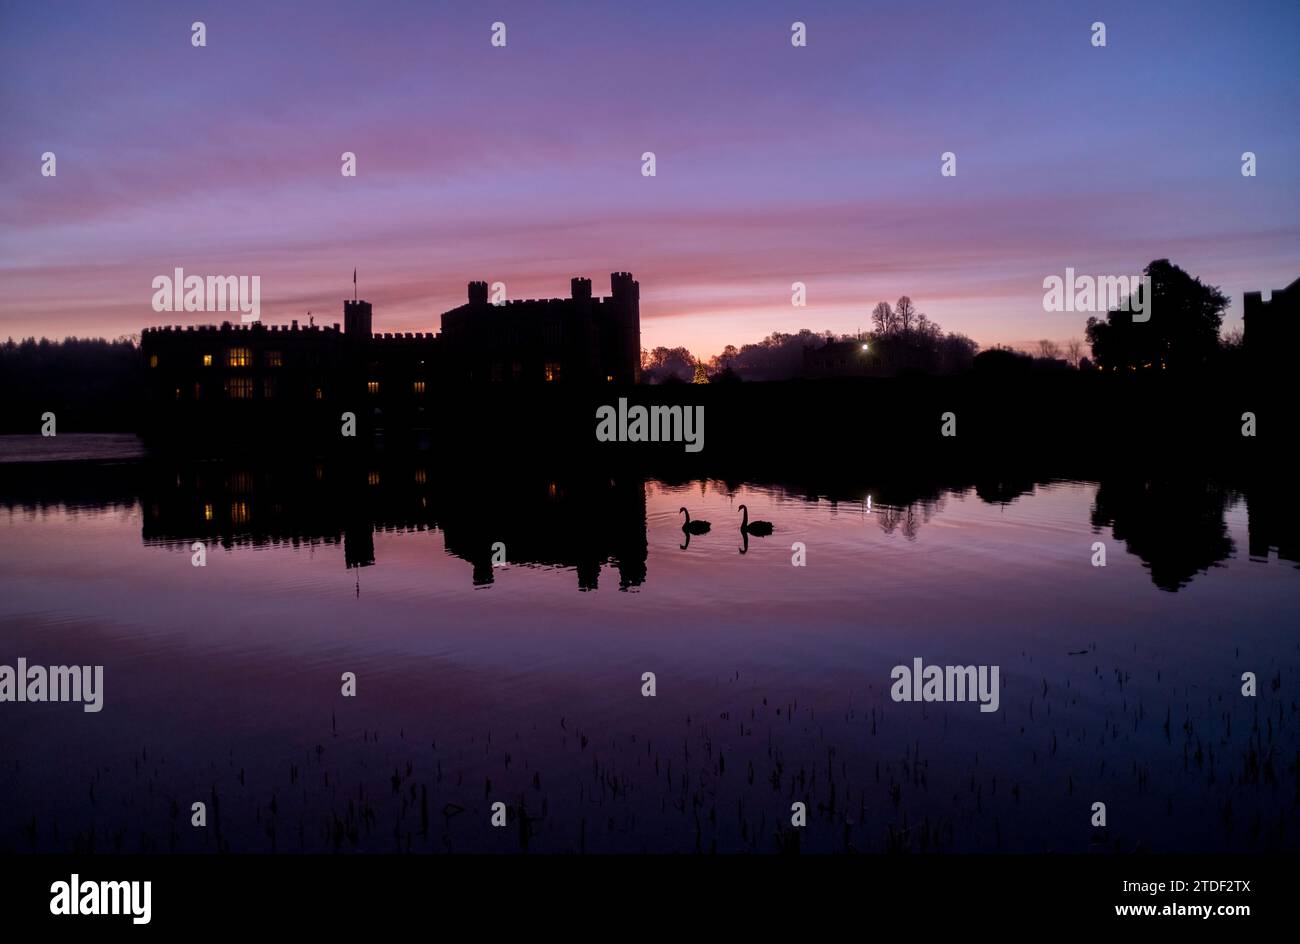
(1065, 414)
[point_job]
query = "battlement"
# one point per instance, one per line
(255, 327)
(407, 336)
(622, 284)
(533, 301)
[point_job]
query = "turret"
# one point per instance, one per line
(356, 320)
(624, 288)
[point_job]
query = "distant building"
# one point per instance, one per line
(1272, 328)
(305, 376)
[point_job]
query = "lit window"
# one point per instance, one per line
(419, 387)
(373, 478)
(268, 386)
(372, 386)
(320, 394)
(153, 360)
(239, 388)
(178, 393)
(552, 371)
(207, 512)
(609, 378)
(239, 357)
(239, 512)
(207, 360)
(274, 359)
(421, 476)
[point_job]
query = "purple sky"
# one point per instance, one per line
(523, 164)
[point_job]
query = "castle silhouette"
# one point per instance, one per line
(246, 374)
(1272, 329)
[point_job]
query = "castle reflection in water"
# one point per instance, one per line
(587, 520)
(578, 522)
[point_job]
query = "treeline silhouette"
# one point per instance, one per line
(89, 384)
(779, 356)
(903, 341)
(1184, 335)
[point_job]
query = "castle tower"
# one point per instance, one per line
(625, 364)
(357, 320)
(478, 293)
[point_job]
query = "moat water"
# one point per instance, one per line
(522, 682)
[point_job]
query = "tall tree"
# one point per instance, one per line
(882, 318)
(905, 314)
(1181, 332)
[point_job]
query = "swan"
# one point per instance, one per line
(759, 529)
(693, 527)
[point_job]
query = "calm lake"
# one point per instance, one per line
(499, 627)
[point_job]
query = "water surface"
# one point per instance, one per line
(521, 683)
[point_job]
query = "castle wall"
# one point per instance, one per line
(232, 377)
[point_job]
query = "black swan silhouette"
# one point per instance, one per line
(760, 529)
(690, 527)
(694, 527)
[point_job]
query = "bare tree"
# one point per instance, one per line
(1049, 350)
(882, 318)
(1074, 351)
(905, 314)
(927, 328)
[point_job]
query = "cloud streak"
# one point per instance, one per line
(522, 164)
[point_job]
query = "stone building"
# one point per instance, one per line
(302, 378)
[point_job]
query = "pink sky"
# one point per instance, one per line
(523, 164)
